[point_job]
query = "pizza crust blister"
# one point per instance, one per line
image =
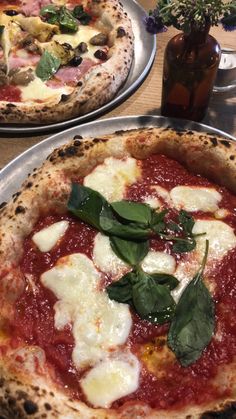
(47, 189)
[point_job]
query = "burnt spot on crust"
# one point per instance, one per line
(225, 143)
(100, 140)
(232, 157)
(20, 210)
(120, 32)
(228, 412)
(214, 141)
(30, 407)
(78, 137)
(2, 205)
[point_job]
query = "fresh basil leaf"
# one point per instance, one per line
(50, 9)
(150, 298)
(129, 251)
(157, 222)
(2, 27)
(193, 325)
(47, 66)
(81, 15)
(174, 227)
(113, 227)
(133, 211)
(121, 290)
(67, 21)
(183, 245)
(162, 316)
(87, 204)
(187, 222)
(165, 279)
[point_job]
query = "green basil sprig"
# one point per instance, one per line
(131, 252)
(47, 66)
(193, 324)
(80, 14)
(67, 20)
(148, 294)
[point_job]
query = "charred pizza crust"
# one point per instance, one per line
(25, 393)
(97, 86)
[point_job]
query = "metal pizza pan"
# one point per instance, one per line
(144, 54)
(13, 175)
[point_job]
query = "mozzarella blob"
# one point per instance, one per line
(38, 90)
(98, 324)
(105, 259)
(48, 237)
(110, 380)
(158, 262)
(195, 198)
(112, 177)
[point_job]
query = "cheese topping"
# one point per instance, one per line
(105, 259)
(112, 177)
(110, 380)
(82, 35)
(47, 238)
(99, 324)
(158, 262)
(38, 90)
(195, 198)
(220, 235)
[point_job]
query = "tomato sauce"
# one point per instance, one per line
(176, 387)
(10, 93)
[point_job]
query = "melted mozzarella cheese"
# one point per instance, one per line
(82, 35)
(47, 238)
(112, 177)
(158, 262)
(38, 90)
(220, 235)
(110, 380)
(221, 240)
(152, 201)
(195, 198)
(105, 259)
(99, 324)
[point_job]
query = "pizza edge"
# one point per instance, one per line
(48, 188)
(97, 87)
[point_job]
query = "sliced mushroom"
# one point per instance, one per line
(42, 31)
(28, 43)
(100, 39)
(23, 78)
(62, 51)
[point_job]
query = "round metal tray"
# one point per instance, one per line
(144, 54)
(12, 176)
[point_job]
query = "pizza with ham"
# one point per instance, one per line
(61, 58)
(118, 280)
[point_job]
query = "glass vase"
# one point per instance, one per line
(190, 66)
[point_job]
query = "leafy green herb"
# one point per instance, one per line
(121, 290)
(131, 231)
(133, 211)
(150, 297)
(47, 66)
(81, 15)
(165, 279)
(67, 21)
(186, 221)
(87, 204)
(129, 251)
(183, 245)
(157, 221)
(61, 17)
(193, 325)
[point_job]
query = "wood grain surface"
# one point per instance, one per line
(147, 99)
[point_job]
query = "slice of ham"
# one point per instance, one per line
(16, 61)
(32, 7)
(71, 75)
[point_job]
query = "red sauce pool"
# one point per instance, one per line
(178, 387)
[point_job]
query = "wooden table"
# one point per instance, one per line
(147, 99)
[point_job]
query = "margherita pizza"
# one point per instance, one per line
(118, 280)
(61, 58)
